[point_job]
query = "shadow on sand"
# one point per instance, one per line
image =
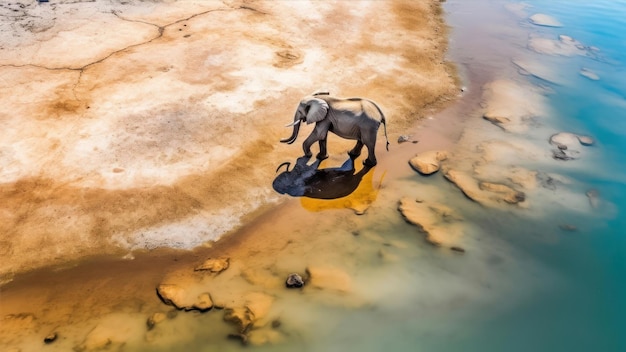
(308, 181)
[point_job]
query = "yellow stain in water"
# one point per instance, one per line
(359, 200)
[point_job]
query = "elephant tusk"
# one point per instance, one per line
(293, 123)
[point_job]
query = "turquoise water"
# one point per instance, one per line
(588, 311)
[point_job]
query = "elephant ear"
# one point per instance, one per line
(317, 109)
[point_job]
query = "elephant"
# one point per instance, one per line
(350, 118)
(309, 181)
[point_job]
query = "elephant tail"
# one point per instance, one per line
(384, 122)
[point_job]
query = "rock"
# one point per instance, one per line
(563, 46)
(585, 72)
(328, 278)
(50, 338)
(509, 195)
(540, 19)
(486, 193)
(178, 297)
(203, 303)
(155, 319)
(568, 145)
(586, 140)
(404, 138)
(496, 120)
(214, 265)
(428, 162)
(172, 295)
(294, 280)
(437, 221)
(568, 227)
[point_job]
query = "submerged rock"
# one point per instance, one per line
(585, 72)
(541, 19)
(214, 265)
(330, 278)
(568, 145)
(155, 319)
(427, 163)
(485, 193)
(567, 227)
(437, 221)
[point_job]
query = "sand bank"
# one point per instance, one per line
(132, 125)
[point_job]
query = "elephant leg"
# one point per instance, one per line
(356, 151)
(308, 142)
(323, 154)
(369, 139)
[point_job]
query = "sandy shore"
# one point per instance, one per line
(160, 127)
(135, 142)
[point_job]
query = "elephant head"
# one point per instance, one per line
(311, 110)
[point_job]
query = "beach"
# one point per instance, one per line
(141, 141)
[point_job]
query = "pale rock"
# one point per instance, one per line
(439, 222)
(485, 193)
(173, 295)
(563, 46)
(214, 265)
(569, 145)
(585, 72)
(586, 140)
(181, 298)
(203, 303)
(541, 19)
(507, 193)
(428, 162)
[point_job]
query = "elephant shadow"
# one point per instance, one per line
(309, 181)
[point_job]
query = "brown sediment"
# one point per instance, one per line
(54, 218)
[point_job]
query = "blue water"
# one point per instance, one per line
(587, 312)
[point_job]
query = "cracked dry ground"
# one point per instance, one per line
(135, 125)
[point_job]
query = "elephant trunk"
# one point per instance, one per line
(296, 129)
